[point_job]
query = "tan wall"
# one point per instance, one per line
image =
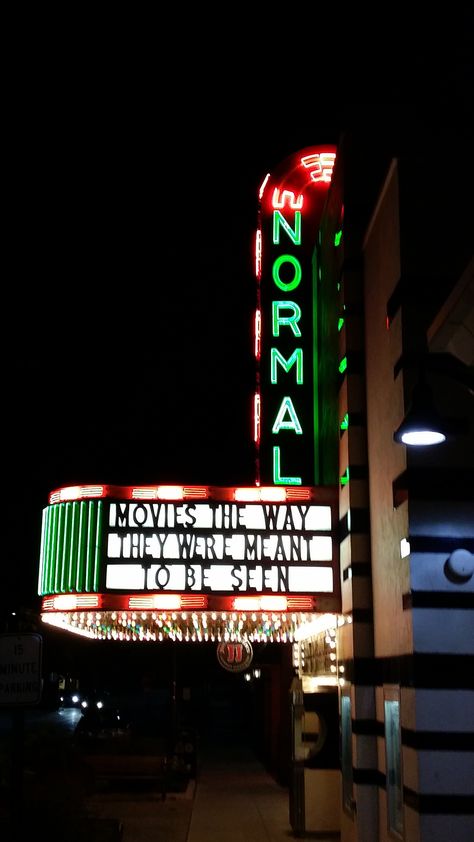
(390, 573)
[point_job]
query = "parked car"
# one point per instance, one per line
(84, 699)
(71, 699)
(102, 724)
(115, 748)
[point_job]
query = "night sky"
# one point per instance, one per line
(129, 290)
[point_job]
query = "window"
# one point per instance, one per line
(393, 761)
(346, 753)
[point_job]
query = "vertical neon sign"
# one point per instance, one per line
(291, 201)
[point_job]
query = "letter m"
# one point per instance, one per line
(296, 357)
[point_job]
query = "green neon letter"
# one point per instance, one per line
(292, 424)
(287, 258)
(296, 357)
(292, 321)
(293, 233)
(277, 479)
(343, 365)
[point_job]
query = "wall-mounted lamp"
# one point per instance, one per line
(422, 424)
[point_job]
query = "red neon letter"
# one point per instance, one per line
(287, 197)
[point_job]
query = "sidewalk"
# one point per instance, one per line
(237, 800)
(233, 799)
(145, 819)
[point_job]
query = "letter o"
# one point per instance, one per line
(159, 584)
(140, 520)
(287, 258)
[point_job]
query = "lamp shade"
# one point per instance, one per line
(422, 425)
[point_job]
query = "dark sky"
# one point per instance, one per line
(129, 292)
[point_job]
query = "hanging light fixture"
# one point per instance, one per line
(422, 425)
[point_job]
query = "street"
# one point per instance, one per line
(46, 781)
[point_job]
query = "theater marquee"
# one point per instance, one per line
(218, 547)
(207, 548)
(227, 564)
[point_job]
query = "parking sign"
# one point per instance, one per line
(20, 669)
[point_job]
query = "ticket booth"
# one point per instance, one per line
(315, 780)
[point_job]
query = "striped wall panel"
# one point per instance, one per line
(356, 639)
(71, 548)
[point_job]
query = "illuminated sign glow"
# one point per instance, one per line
(190, 626)
(321, 165)
(196, 547)
(282, 198)
(178, 492)
(258, 254)
(289, 214)
(219, 548)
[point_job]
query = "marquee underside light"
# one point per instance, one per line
(186, 626)
(119, 561)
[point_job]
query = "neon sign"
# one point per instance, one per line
(229, 542)
(287, 399)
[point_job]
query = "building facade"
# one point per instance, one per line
(396, 243)
(394, 654)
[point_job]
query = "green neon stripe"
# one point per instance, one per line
(54, 554)
(65, 547)
(345, 422)
(58, 573)
(315, 371)
(345, 477)
(343, 365)
(44, 554)
(340, 323)
(71, 547)
(51, 514)
(81, 548)
(42, 570)
(71, 579)
(90, 551)
(98, 545)
(52, 548)
(47, 572)
(337, 238)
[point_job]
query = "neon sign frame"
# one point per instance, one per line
(291, 201)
